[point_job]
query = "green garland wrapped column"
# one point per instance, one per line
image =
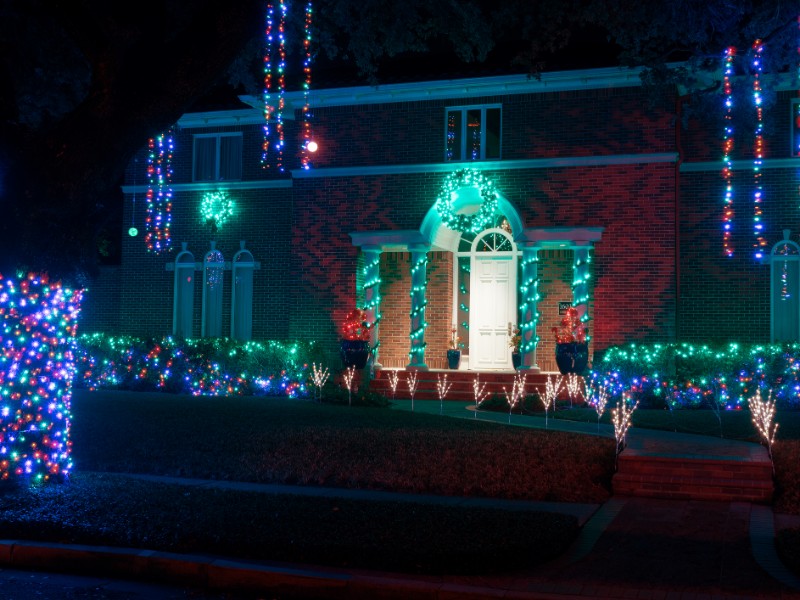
(419, 285)
(580, 281)
(372, 296)
(528, 308)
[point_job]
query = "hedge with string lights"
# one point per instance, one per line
(683, 375)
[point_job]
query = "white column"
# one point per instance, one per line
(372, 295)
(580, 279)
(528, 308)
(419, 284)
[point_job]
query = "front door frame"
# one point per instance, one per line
(481, 250)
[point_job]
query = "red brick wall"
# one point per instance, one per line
(309, 276)
(727, 299)
(396, 306)
(555, 285)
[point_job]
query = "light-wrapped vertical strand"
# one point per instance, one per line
(268, 50)
(271, 73)
(727, 149)
(760, 241)
(158, 220)
(305, 156)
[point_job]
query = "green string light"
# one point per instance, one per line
(473, 223)
(216, 208)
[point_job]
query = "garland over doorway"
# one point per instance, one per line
(445, 202)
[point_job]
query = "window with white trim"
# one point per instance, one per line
(217, 157)
(473, 133)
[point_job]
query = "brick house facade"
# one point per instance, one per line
(590, 165)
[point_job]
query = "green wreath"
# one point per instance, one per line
(216, 208)
(475, 222)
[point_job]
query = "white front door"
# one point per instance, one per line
(492, 307)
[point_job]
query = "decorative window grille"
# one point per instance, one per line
(213, 284)
(243, 266)
(785, 291)
(183, 300)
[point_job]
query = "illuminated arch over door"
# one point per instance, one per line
(183, 294)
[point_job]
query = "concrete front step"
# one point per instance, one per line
(461, 383)
(730, 480)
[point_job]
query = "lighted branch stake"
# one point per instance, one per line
(442, 387)
(762, 412)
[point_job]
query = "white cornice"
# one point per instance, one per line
(206, 186)
(224, 118)
(493, 165)
(457, 89)
(740, 165)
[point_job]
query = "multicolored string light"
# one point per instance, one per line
(727, 169)
(158, 219)
(270, 72)
(760, 242)
(199, 367)
(307, 147)
(38, 321)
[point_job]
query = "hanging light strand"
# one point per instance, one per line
(159, 193)
(760, 241)
(267, 83)
(306, 158)
(727, 169)
(271, 73)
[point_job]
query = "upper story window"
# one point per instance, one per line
(217, 156)
(796, 127)
(472, 133)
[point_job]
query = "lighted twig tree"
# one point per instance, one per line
(516, 394)
(551, 390)
(574, 385)
(479, 392)
(762, 412)
(598, 397)
(319, 376)
(442, 387)
(412, 387)
(394, 378)
(347, 377)
(621, 419)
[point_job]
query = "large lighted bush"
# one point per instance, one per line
(682, 375)
(39, 321)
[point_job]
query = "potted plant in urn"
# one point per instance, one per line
(355, 339)
(572, 349)
(453, 352)
(514, 341)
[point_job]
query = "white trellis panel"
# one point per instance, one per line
(243, 266)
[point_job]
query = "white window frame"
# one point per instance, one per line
(217, 154)
(463, 110)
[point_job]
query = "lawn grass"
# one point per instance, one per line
(272, 440)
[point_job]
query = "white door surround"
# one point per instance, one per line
(492, 299)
